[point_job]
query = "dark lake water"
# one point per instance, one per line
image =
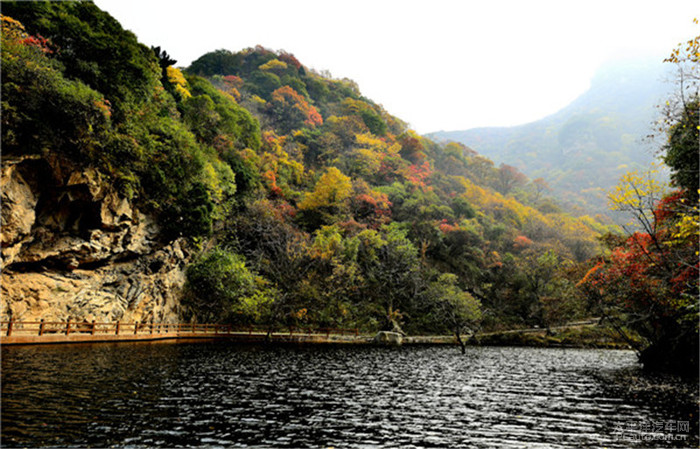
(222, 395)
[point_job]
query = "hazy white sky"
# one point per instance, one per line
(437, 64)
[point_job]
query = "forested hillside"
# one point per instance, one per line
(308, 202)
(387, 223)
(285, 196)
(582, 150)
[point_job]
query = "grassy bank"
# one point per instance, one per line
(573, 337)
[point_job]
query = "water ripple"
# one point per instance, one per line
(236, 396)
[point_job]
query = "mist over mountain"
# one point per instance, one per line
(582, 149)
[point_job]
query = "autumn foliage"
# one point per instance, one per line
(291, 110)
(651, 279)
(303, 194)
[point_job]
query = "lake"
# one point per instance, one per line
(226, 395)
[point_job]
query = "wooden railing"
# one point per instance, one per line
(41, 328)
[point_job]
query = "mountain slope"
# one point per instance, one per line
(583, 149)
(256, 191)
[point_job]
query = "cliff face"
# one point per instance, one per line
(73, 248)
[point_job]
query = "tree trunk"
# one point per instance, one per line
(461, 343)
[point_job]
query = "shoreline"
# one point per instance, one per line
(505, 338)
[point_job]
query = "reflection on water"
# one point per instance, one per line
(219, 395)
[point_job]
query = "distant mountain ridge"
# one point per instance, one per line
(582, 149)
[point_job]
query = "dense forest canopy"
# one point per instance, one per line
(308, 203)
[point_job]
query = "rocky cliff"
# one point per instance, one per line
(74, 248)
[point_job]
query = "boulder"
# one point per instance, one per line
(386, 338)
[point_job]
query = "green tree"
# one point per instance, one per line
(191, 214)
(41, 108)
(390, 264)
(682, 150)
(215, 285)
(457, 309)
(94, 48)
(546, 288)
(219, 62)
(213, 115)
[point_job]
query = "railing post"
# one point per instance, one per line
(41, 327)
(117, 328)
(136, 328)
(9, 327)
(68, 327)
(92, 328)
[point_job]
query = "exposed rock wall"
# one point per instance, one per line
(73, 248)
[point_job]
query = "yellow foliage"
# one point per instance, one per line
(352, 106)
(327, 243)
(274, 65)
(690, 53)
(371, 141)
(331, 189)
(219, 179)
(178, 80)
(291, 170)
(12, 29)
(687, 227)
(211, 180)
(394, 149)
(596, 225)
(277, 161)
(527, 218)
(232, 94)
(250, 155)
(257, 100)
(636, 192)
(365, 161)
(300, 314)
